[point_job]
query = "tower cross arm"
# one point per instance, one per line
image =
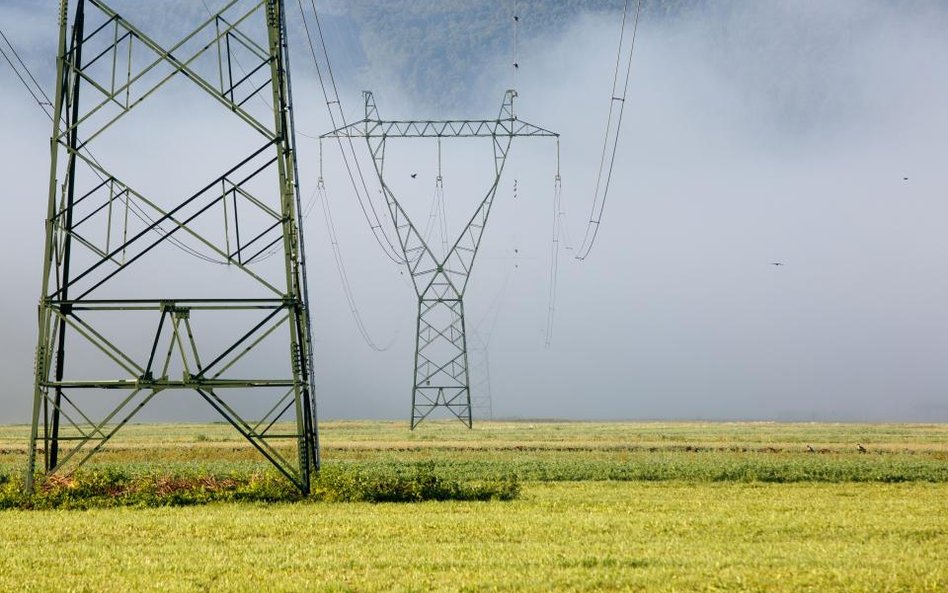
(441, 128)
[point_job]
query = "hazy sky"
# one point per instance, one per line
(809, 133)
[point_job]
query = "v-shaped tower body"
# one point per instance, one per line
(441, 377)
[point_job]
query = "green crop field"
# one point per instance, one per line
(588, 507)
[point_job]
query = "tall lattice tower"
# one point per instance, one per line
(441, 376)
(182, 270)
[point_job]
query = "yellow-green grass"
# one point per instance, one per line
(354, 434)
(577, 536)
(555, 451)
(604, 506)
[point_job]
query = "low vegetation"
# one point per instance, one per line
(112, 487)
(573, 536)
(523, 506)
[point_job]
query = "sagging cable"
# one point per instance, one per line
(613, 127)
(341, 270)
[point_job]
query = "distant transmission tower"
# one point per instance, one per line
(441, 362)
(173, 288)
(482, 404)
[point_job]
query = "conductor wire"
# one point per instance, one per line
(607, 161)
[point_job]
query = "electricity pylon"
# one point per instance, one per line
(173, 289)
(482, 405)
(441, 363)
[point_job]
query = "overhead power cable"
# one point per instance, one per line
(320, 190)
(613, 126)
(515, 25)
(438, 215)
(46, 105)
(492, 313)
(346, 148)
(554, 251)
(341, 270)
(375, 222)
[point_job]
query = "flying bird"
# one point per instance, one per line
(413, 175)
(905, 179)
(516, 18)
(776, 263)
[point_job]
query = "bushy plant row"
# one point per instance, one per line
(700, 467)
(112, 487)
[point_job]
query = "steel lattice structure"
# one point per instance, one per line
(441, 378)
(234, 328)
(482, 404)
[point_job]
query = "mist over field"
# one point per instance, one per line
(810, 134)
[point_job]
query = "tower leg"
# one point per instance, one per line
(441, 365)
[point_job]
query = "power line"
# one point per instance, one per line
(365, 202)
(341, 269)
(438, 214)
(604, 178)
(515, 62)
(30, 74)
(42, 105)
(554, 259)
(434, 213)
(342, 115)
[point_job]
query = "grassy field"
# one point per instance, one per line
(602, 507)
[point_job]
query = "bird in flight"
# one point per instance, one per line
(413, 175)
(776, 263)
